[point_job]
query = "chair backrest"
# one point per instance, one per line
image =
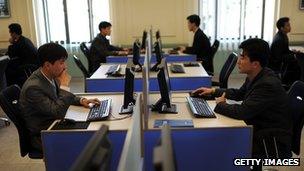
(81, 66)
(227, 69)
(85, 50)
(3, 64)
(296, 97)
(9, 101)
(214, 49)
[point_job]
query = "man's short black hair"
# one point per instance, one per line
(281, 22)
(51, 52)
(103, 25)
(194, 19)
(257, 50)
(15, 28)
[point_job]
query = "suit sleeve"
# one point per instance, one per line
(255, 103)
(102, 50)
(198, 44)
(115, 48)
(231, 93)
(46, 106)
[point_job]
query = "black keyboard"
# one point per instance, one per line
(100, 112)
(113, 69)
(200, 108)
(177, 68)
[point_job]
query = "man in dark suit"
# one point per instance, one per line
(101, 48)
(283, 60)
(21, 52)
(201, 45)
(264, 101)
(42, 99)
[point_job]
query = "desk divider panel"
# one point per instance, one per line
(131, 156)
(203, 148)
(61, 148)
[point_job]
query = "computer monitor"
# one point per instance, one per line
(96, 155)
(136, 55)
(143, 41)
(129, 100)
(158, 55)
(164, 105)
(163, 154)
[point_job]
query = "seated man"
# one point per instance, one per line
(201, 45)
(101, 48)
(42, 101)
(22, 52)
(264, 101)
(283, 60)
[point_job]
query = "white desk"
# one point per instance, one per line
(184, 112)
(193, 78)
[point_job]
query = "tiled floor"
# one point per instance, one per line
(10, 159)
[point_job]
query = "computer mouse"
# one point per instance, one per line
(91, 105)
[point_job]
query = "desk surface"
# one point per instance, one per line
(184, 112)
(298, 48)
(80, 113)
(189, 72)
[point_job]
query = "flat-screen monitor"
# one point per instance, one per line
(164, 105)
(129, 100)
(158, 55)
(97, 153)
(143, 41)
(163, 154)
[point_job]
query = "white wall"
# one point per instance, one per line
(22, 13)
(290, 8)
(131, 17)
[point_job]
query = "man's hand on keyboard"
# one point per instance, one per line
(85, 102)
(221, 99)
(203, 91)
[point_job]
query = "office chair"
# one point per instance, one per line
(85, 50)
(28, 69)
(3, 64)
(226, 71)
(81, 66)
(214, 49)
(9, 99)
(296, 97)
(273, 136)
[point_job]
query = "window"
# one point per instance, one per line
(232, 21)
(69, 21)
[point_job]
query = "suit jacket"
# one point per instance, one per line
(41, 103)
(279, 51)
(201, 48)
(100, 49)
(265, 105)
(24, 50)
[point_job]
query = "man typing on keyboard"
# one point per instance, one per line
(264, 101)
(43, 98)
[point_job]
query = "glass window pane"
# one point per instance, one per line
(228, 23)
(101, 12)
(78, 17)
(56, 20)
(207, 14)
(253, 18)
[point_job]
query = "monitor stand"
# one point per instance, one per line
(138, 69)
(154, 68)
(127, 110)
(163, 108)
